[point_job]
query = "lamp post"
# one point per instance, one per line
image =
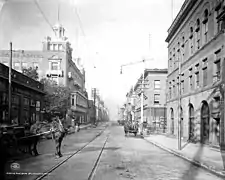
(142, 87)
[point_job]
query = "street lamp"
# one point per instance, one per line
(142, 87)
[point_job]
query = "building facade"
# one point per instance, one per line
(55, 62)
(27, 98)
(196, 40)
(154, 98)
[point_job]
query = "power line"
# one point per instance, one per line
(80, 22)
(42, 13)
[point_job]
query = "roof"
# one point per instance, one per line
(182, 14)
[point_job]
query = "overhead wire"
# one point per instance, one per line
(42, 13)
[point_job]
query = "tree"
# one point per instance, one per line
(57, 98)
(31, 72)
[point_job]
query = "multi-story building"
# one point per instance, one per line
(26, 99)
(196, 40)
(55, 62)
(154, 97)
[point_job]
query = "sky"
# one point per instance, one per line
(104, 33)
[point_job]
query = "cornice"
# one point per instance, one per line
(184, 11)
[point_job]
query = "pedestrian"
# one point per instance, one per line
(58, 133)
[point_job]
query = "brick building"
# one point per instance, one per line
(196, 39)
(55, 62)
(27, 98)
(154, 98)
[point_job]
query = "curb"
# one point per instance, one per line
(197, 163)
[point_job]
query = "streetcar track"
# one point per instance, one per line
(94, 169)
(46, 173)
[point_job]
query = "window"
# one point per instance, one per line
(157, 84)
(198, 35)
(73, 100)
(60, 47)
(217, 74)
(197, 79)
(35, 65)
(191, 41)
(191, 82)
(54, 47)
(182, 86)
(172, 121)
(205, 26)
(51, 47)
(24, 65)
(174, 91)
(170, 93)
(156, 98)
(56, 79)
(205, 76)
(17, 66)
(217, 66)
(54, 66)
(218, 21)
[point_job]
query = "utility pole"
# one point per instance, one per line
(179, 104)
(10, 84)
(94, 105)
(142, 101)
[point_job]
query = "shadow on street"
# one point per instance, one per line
(192, 171)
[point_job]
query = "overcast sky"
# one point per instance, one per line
(109, 33)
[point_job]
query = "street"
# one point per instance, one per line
(122, 158)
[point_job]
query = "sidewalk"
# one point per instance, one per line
(201, 155)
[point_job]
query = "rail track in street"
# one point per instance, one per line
(76, 153)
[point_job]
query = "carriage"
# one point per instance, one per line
(131, 127)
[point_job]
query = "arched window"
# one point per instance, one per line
(198, 34)
(191, 122)
(205, 122)
(205, 26)
(172, 120)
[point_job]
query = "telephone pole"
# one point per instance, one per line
(10, 84)
(179, 104)
(94, 105)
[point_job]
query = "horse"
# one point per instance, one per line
(58, 133)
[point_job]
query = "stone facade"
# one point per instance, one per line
(196, 39)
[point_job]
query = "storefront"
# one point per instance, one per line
(79, 107)
(26, 99)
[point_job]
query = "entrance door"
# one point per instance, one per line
(205, 123)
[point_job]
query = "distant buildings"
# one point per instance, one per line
(196, 39)
(55, 62)
(154, 98)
